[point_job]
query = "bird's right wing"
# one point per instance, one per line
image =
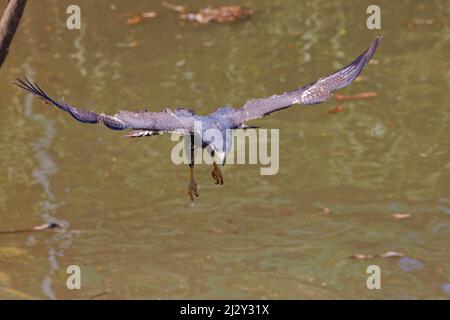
(312, 93)
(144, 123)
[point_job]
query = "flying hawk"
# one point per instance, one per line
(145, 123)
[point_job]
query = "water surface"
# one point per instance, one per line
(128, 221)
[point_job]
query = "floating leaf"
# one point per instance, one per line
(400, 216)
(138, 18)
(363, 95)
(323, 212)
(132, 44)
(148, 14)
(209, 14)
(391, 254)
(135, 19)
(336, 109)
(362, 256)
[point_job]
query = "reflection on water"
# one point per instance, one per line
(129, 223)
(42, 174)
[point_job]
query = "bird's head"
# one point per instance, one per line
(217, 142)
(219, 157)
(217, 150)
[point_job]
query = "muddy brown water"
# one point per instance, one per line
(129, 224)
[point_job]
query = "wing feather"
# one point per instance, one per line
(148, 123)
(313, 93)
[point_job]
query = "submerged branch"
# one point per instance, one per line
(42, 227)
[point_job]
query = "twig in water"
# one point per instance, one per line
(42, 227)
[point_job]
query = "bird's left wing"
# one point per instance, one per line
(144, 123)
(313, 93)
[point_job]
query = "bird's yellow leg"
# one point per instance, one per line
(192, 191)
(217, 174)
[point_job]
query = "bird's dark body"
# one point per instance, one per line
(223, 120)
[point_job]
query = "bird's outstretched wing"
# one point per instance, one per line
(313, 93)
(144, 123)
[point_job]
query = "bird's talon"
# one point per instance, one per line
(192, 191)
(217, 176)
